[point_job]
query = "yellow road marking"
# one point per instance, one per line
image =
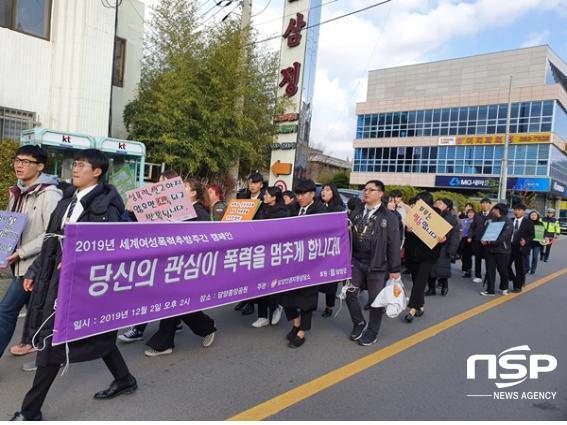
(283, 401)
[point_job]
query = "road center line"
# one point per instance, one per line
(275, 405)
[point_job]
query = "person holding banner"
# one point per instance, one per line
(375, 259)
(300, 304)
(255, 186)
(162, 342)
(420, 260)
(35, 195)
(332, 201)
(522, 237)
(269, 311)
(498, 251)
(93, 201)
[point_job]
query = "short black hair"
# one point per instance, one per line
(447, 202)
(289, 194)
(395, 193)
(519, 207)
(35, 151)
(378, 184)
(502, 208)
(256, 177)
(354, 203)
(304, 186)
(96, 158)
(426, 197)
(275, 191)
(485, 201)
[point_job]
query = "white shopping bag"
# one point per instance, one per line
(393, 297)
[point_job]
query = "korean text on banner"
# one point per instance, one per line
(164, 201)
(11, 227)
(492, 231)
(426, 223)
(241, 209)
(120, 274)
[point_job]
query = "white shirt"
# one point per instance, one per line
(370, 210)
(257, 196)
(304, 209)
(78, 210)
(519, 221)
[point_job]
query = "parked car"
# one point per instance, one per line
(563, 225)
(346, 194)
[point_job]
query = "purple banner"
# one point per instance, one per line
(120, 274)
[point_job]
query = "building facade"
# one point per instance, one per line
(443, 124)
(60, 68)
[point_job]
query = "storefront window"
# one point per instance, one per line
(31, 17)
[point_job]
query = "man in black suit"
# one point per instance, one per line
(522, 237)
(478, 227)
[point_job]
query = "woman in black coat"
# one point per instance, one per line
(442, 269)
(162, 342)
(420, 260)
(269, 310)
(332, 201)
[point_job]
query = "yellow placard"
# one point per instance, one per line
(424, 221)
(241, 209)
(499, 139)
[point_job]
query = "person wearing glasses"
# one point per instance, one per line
(375, 259)
(36, 195)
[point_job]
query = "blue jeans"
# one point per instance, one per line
(10, 306)
(536, 252)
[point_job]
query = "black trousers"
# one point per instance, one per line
(266, 306)
(443, 283)
(466, 255)
(45, 375)
(200, 323)
(498, 262)
(292, 313)
(479, 254)
(374, 282)
(518, 260)
(419, 275)
(330, 291)
(545, 252)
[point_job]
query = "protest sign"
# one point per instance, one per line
(424, 221)
(164, 201)
(492, 231)
(241, 209)
(123, 180)
(120, 274)
(11, 227)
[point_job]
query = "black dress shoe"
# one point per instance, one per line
(430, 292)
(444, 291)
(292, 333)
(419, 312)
(19, 416)
(240, 305)
(296, 342)
(327, 313)
(249, 309)
(117, 388)
(409, 318)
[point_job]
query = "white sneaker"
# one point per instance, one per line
(505, 292)
(208, 340)
(261, 322)
(477, 280)
(277, 315)
(487, 294)
(154, 353)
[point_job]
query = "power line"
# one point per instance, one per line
(293, 14)
(263, 10)
(328, 20)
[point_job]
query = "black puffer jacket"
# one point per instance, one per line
(442, 267)
(102, 205)
(279, 210)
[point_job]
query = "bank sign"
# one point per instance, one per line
(533, 184)
(559, 188)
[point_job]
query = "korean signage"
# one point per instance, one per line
(426, 223)
(532, 184)
(241, 209)
(164, 201)
(559, 188)
(497, 139)
(11, 227)
(300, 34)
(120, 274)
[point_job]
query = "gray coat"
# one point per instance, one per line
(442, 268)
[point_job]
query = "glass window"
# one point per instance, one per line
(547, 109)
(428, 116)
(445, 114)
(515, 110)
(536, 109)
(525, 110)
(396, 117)
(454, 114)
(502, 111)
(492, 112)
(32, 17)
(473, 112)
(118, 66)
(6, 13)
(411, 119)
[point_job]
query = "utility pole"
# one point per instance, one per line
(504, 172)
(245, 19)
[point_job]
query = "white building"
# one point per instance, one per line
(58, 68)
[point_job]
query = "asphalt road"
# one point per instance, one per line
(247, 366)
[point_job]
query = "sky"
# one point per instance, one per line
(401, 32)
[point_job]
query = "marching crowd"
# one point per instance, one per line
(381, 245)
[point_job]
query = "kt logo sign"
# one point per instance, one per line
(511, 367)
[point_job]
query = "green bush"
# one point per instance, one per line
(341, 180)
(458, 199)
(7, 152)
(408, 192)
